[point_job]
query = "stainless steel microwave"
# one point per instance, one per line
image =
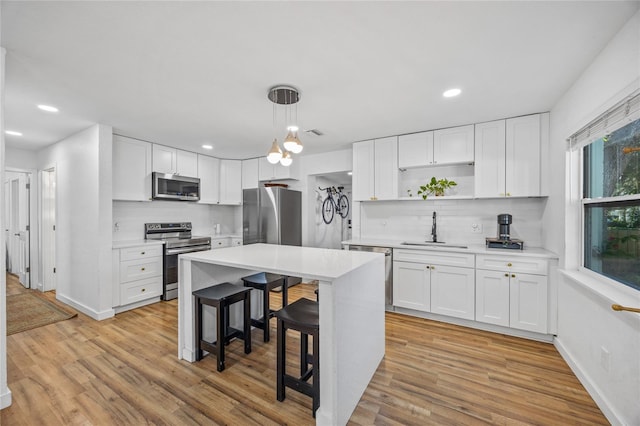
(175, 187)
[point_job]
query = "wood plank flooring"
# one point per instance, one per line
(125, 371)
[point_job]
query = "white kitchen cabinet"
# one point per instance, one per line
(453, 291)
(137, 274)
(375, 169)
(209, 174)
(512, 292)
(250, 173)
(415, 150)
(220, 242)
(131, 169)
(508, 156)
(236, 241)
(454, 145)
(411, 286)
(268, 171)
(449, 277)
(231, 182)
(174, 161)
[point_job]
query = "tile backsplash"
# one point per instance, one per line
(412, 219)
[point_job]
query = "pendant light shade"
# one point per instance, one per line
(290, 143)
(286, 159)
(275, 153)
(297, 148)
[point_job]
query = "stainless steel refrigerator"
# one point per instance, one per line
(272, 215)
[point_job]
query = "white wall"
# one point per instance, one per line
(412, 220)
(586, 323)
(84, 217)
(130, 217)
(20, 158)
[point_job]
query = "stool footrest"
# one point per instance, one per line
(298, 385)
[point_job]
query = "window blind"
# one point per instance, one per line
(617, 116)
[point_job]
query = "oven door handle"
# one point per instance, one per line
(171, 252)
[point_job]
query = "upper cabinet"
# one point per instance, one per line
(268, 171)
(437, 148)
(231, 182)
(250, 173)
(209, 174)
(131, 169)
(509, 157)
(375, 169)
(174, 161)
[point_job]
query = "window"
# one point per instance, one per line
(611, 205)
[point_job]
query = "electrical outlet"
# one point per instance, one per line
(476, 228)
(605, 358)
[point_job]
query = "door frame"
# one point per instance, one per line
(33, 221)
(48, 279)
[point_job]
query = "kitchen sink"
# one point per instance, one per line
(431, 244)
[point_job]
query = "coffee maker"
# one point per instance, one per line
(504, 239)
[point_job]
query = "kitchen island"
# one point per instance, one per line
(351, 294)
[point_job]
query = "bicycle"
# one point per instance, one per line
(336, 202)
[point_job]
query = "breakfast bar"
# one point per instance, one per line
(351, 310)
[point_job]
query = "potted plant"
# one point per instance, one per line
(435, 186)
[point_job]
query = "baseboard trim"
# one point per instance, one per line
(592, 388)
(5, 399)
(98, 316)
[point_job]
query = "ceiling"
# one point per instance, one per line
(189, 73)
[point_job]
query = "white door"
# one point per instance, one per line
(386, 168)
(522, 166)
(48, 229)
(490, 159)
(411, 286)
(363, 171)
(492, 297)
(453, 291)
(18, 220)
(528, 307)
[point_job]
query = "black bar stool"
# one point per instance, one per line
(301, 315)
(266, 282)
(222, 296)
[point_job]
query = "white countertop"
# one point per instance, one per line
(133, 243)
(312, 263)
(471, 248)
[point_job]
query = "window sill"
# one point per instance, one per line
(608, 290)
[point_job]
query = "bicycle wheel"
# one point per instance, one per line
(327, 211)
(343, 206)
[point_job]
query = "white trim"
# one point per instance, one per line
(623, 198)
(120, 309)
(98, 316)
(594, 391)
(5, 399)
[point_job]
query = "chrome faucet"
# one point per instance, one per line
(434, 235)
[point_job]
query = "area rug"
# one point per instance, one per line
(26, 311)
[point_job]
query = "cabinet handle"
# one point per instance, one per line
(142, 269)
(513, 275)
(506, 275)
(143, 290)
(142, 252)
(509, 264)
(428, 267)
(433, 267)
(508, 194)
(501, 194)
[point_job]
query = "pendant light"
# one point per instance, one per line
(275, 153)
(286, 159)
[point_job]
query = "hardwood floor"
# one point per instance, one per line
(125, 370)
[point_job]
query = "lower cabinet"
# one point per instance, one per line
(508, 297)
(411, 286)
(453, 291)
(137, 273)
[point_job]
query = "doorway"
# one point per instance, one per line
(47, 216)
(330, 235)
(17, 186)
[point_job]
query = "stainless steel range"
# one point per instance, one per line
(177, 240)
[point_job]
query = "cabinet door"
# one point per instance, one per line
(528, 302)
(453, 291)
(266, 170)
(250, 173)
(220, 242)
(492, 297)
(209, 174)
(230, 182)
(454, 145)
(186, 163)
(131, 169)
(386, 168)
(522, 167)
(411, 286)
(164, 159)
(363, 171)
(415, 150)
(489, 169)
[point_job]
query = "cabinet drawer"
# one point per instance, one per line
(136, 291)
(139, 269)
(220, 242)
(140, 252)
(435, 257)
(236, 241)
(530, 265)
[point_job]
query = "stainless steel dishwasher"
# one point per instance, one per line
(388, 268)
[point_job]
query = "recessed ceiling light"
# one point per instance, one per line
(451, 93)
(48, 108)
(207, 146)
(13, 133)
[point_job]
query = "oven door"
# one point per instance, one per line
(171, 268)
